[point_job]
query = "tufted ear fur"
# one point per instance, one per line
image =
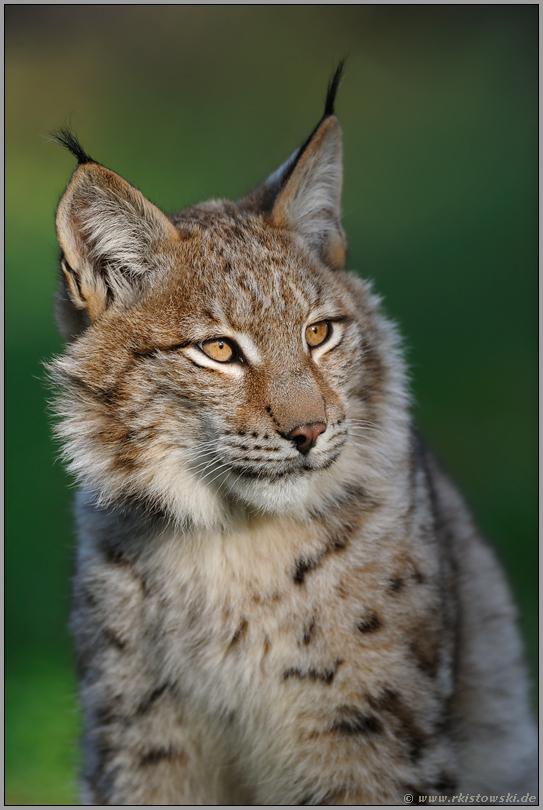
(112, 240)
(310, 202)
(304, 194)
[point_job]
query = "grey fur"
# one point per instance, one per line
(254, 626)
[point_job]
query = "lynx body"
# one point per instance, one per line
(279, 599)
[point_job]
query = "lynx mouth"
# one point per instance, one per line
(230, 469)
(305, 468)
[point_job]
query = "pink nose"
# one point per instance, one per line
(305, 436)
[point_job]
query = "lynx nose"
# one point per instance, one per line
(305, 436)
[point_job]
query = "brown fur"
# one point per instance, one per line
(254, 624)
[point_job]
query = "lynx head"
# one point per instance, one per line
(220, 361)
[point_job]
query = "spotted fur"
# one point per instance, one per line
(257, 625)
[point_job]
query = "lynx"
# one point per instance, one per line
(279, 598)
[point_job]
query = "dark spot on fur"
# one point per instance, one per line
(353, 721)
(395, 584)
(240, 632)
(113, 638)
(309, 631)
(324, 675)
(402, 718)
(114, 555)
(241, 433)
(418, 577)
(147, 702)
(237, 233)
(141, 353)
(301, 567)
(158, 754)
(108, 712)
(105, 395)
(144, 586)
(109, 395)
(369, 623)
(338, 543)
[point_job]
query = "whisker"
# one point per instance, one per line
(214, 469)
(204, 464)
(218, 474)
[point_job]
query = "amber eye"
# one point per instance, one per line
(317, 333)
(219, 349)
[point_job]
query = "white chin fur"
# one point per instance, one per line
(280, 495)
(295, 494)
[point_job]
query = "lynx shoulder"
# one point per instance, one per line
(279, 598)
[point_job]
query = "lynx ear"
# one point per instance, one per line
(310, 202)
(305, 192)
(111, 238)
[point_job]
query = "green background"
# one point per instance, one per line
(439, 113)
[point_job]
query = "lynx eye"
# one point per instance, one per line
(219, 349)
(317, 333)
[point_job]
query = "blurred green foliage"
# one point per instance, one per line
(439, 112)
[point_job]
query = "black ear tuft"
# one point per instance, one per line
(66, 138)
(333, 87)
(264, 197)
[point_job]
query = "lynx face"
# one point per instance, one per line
(221, 359)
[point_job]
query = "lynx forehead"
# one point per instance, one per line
(279, 598)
